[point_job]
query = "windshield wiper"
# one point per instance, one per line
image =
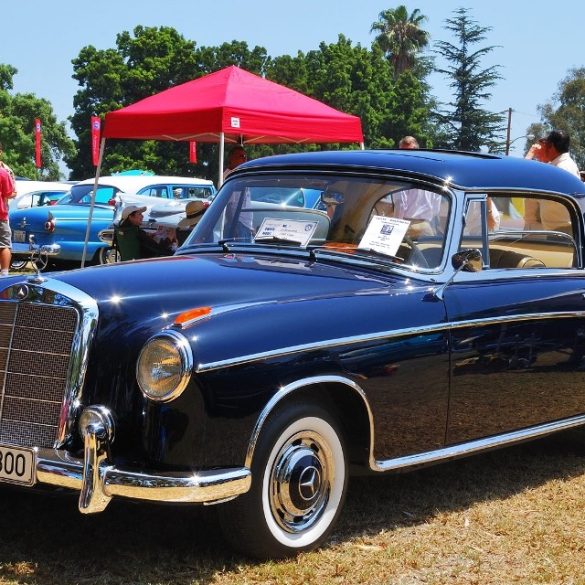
(361, 252)
(224, 243)
(275, 240)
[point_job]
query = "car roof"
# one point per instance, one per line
(135, 182)
(29, 186)
(467, 171)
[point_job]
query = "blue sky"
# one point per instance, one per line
(537, 45)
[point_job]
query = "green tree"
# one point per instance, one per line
(210, 59)
(465, 125)
(347, 77)
(400, 36)
(152, 60)
(566, 111)
(17, 115)
(144, 63)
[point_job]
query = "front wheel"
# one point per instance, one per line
(106, 256)
(299, 481)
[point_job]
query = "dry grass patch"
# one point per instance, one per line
(507, 517)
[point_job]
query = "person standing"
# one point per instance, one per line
(541, 213)
(7, 168)
(6, 193)
(237, 157)
(554, 149)
(420, 207)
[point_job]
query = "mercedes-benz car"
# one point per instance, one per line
(283, 349)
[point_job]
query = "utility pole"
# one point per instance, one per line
(508, 129)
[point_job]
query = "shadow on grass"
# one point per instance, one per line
(44, 540)
(400, 500)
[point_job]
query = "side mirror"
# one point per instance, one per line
(332, 198)
(468, 260)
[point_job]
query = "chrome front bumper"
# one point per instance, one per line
(98, 481)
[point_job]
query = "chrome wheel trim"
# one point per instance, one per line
(299, 482)
(107, 256)
(303, 482)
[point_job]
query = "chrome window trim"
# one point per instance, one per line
(87, 311)
(393, 334)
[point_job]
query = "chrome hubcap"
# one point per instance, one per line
(300, 482)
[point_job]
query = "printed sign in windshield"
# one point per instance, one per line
(289, 230)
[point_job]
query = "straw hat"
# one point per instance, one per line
(194, 210)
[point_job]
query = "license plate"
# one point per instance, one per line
(19, 236)
(17, 465)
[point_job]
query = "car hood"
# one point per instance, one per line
(279, 301)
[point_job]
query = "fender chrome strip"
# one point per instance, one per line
(421, 330)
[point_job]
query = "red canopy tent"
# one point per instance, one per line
(244, 107)
(234, 106)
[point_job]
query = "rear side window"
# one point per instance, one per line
(522, 232)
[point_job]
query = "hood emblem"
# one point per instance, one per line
(22, 292)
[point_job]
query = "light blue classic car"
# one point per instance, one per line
(57, 233)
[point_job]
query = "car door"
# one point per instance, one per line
(517, 329)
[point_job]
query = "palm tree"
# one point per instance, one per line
(400, 36)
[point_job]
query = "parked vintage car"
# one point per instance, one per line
(174, 220)
(283, 347)
(60, 230)
(38, 193)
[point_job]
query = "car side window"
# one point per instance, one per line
(103, 195)
(521, 232)
(154, 191)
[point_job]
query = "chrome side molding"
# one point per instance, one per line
(476, 446)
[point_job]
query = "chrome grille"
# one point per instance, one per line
(35, 350)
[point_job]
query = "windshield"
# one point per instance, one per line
(391, 220)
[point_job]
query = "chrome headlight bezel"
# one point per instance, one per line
(176, 345)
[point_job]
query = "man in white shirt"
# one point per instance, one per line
(543, 214)
(554, 149)
(421, 207)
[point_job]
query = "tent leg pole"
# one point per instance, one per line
(92, 204)
(221, 156)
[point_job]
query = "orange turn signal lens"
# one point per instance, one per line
(187, 317)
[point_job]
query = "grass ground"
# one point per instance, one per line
(506, 517)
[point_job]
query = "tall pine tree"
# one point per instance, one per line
(465, 124)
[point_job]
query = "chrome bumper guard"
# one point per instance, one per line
(98, 481)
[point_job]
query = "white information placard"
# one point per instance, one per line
(291, 230)
(384, 234)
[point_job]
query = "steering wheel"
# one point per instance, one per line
(411, 253)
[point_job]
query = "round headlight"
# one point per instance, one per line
(164, 366)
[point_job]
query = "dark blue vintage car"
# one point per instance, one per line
(282, 347)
